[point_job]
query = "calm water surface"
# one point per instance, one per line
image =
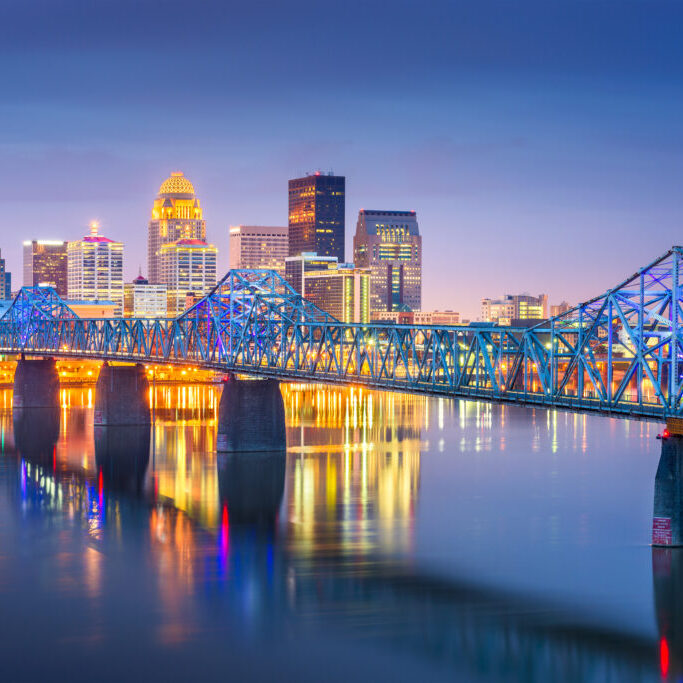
(400, 537)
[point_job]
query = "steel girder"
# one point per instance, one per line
(619, 353)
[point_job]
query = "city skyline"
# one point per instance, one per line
(557, 135)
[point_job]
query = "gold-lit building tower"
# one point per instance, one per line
(176, 215)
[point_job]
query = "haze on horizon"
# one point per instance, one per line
(541, 143)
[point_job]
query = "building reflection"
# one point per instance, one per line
(353, 471)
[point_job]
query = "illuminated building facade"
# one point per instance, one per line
(514, 307)
(46, 263)
(342, 292)
(390, 245)
(258, 246)
(144, 300)
(94, 309)
(176, 215)
(5, 280)
(187, 265)
(436, 318)
(95, 269)
(316, 215)
(297, 267)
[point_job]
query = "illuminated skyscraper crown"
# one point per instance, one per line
(177, 183)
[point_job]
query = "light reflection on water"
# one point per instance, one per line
(406, 535)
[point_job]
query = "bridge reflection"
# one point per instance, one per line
(313, 537)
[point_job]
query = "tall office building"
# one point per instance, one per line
(176, 215)
(45, 263)
(390, 245)
(143, 300)
(187, 265)
(95, 269)
(258, 246)
(316, 215)
(5, 280)
(342, 292)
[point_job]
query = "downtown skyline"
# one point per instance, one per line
(532, 168)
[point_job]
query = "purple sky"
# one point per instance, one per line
(541, 143)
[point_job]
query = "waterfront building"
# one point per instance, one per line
(187, 265)
(296, 268)
(144, 300)
(176, 215)
(94, 309)
(390, 245)
(257, 246)
(95, 269)
(46, 263)
(317, 214)
(559, 309)
(343, 292)
(5, 280)
(519, 307)
(436, 318)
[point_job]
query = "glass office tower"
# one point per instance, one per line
(316, 215)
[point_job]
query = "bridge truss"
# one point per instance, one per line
(619, 353)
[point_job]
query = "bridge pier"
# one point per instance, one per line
(122, 396)
(667, 523)
(36, 383)
(251, 417)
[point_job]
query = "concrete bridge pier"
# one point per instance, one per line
(667, 523)
(36, 383)
(122, 396)
(251, 417)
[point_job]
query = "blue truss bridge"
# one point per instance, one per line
(617, 354)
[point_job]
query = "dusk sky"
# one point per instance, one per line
(541, 143)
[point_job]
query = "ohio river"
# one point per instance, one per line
(399, 538)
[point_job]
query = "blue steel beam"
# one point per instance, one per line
(619, 353)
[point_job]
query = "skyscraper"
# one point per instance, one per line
(389, 243)
(316, 215)
(187, 265)
(45, 263)
(258, 246)
(95, 267)
(5, 280)
(176, 215)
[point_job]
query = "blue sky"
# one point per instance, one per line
(541, 143)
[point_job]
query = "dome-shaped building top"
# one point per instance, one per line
(176, 184)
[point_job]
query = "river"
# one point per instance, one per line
(400, 538)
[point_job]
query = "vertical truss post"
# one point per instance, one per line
(610, 331)
(673, 309)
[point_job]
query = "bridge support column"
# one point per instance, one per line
(251, 417)
(122, 396)
(667, 523)
(36, 384)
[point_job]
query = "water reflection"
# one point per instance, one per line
(322, 544)
(122, 456)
